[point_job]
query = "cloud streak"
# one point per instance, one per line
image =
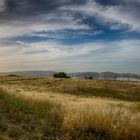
(123, 13)
(50, 55)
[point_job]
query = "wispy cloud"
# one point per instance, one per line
(124, 13)
(45, 54)
(69, 35)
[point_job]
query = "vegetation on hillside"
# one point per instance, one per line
(60, 75)
(22, 119)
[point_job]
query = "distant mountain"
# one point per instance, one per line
(85, 74)
(103, 75)
(31, 73)
(82, 75)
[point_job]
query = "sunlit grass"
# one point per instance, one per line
(27, 119)
(22, 118)
(127, 91)
(101, 122)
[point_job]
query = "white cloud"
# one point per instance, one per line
(55, 56)
(108, 15)
(43, 23)
(26, 56)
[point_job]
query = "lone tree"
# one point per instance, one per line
(90, 78)
(60, 75)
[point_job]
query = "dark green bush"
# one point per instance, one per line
(60, 75)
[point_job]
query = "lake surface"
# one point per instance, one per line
(127, 79)
(120, 78)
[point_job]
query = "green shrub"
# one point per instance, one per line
(60, 75)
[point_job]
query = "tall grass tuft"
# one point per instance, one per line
(100, 122)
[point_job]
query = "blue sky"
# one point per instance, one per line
(70, 35)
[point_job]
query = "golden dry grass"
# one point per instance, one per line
(129, 91)
(105, 121)
(84, 117)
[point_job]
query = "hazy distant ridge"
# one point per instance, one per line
(103, 75)
(31, 73)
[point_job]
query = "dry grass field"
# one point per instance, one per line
(68, 109)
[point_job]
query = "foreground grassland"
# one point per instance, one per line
(68, 109)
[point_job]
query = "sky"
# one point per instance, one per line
(70, 35)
